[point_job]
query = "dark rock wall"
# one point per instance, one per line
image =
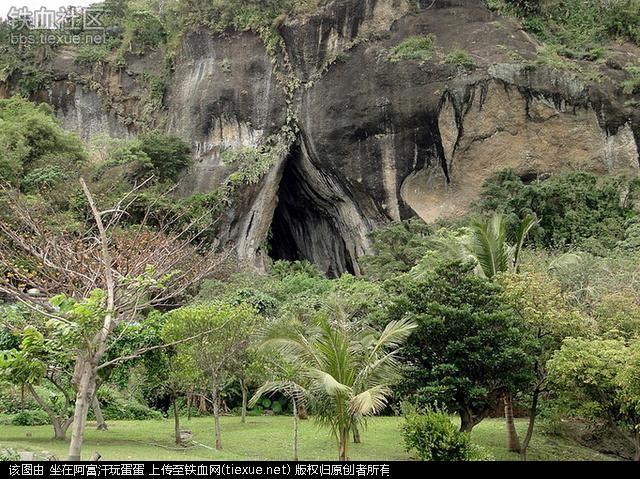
(378, 141)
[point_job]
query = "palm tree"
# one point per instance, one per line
(490, 248)
(495, 255)
(347, 367)
(296, 393)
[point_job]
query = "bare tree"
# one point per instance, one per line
(135, 267)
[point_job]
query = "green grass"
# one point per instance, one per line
(266, 438)
(413, 48)
(460, 58)
(632, 84)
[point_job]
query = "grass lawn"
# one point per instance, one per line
(266, 438)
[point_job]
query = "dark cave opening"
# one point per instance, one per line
(306, 223)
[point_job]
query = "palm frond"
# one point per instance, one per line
(393, 335)
(326, 383)
(489, 245)
(297, 348)
(383, 370)
(370, 402)
(523, 230)
(288, 388)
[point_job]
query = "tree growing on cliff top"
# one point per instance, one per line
(123, 270)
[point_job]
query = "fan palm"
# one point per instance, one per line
(347, 368)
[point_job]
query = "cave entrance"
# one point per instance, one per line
(307, 222)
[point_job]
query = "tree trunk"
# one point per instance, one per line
(97, 410)
(176, 420)
(356, 434)
(86, 387)
(216, 417)
(59, 424)
(466, 420)
(295, 430)
(513, 442)
(533, 412)
(245, 392)
(59, 432)
(343, 444)
(189, 399)
(303, 415)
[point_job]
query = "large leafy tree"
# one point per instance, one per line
(397, 248)
(467, 350)
(38, 360)
(498, 250)
(599, 379)
(546, 317)
(123, 272)
(35, 151)
(347, 368)
(216, 337)
(575, 209)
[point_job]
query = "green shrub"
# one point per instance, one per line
(130, 409)
(90, 55)
(143, 31)
(31, 138)
(632, 84)
(169, 155)
(276, 407)
(12, 400)
(43, 178)
(253, 163)
(282, 269)
(262, 302)
(152, 154)
(432, 436)
(256, 411)
(460, 58)
(8, 340)
(623, 20)
(579, 28)
(397, 248)
(413, 48)
(117, 407)
(34, 417)
(631, 239)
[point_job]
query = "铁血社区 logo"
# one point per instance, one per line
(65, 25)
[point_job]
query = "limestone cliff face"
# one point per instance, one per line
(377, 141)
(223, 94)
